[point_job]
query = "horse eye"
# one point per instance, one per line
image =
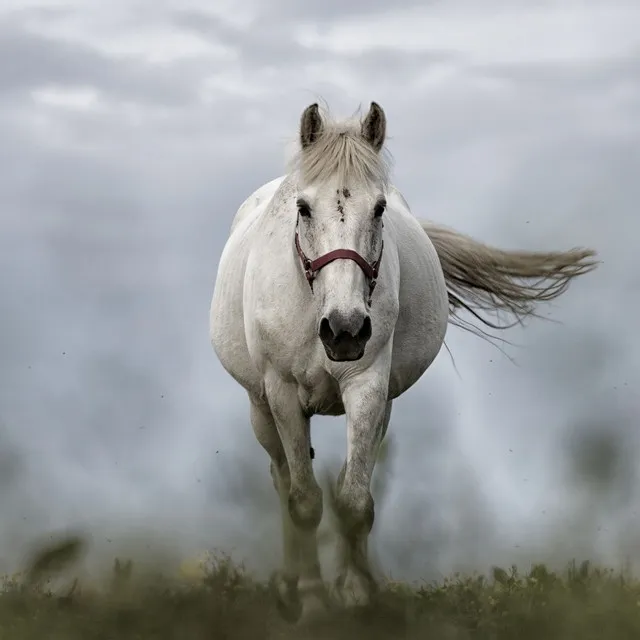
(303, 208)
(378, 210)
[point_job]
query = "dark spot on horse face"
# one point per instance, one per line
(346, 194)
(340, 206)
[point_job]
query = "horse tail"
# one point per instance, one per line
(481, 278)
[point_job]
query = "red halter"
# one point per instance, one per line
(312, 267)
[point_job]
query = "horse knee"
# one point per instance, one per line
(305, 507)
(356, 511)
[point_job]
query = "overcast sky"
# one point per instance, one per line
(130, 131)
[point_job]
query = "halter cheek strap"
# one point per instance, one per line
(313, 267)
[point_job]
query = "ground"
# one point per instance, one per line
(224, 602)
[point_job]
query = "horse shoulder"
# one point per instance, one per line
(252, 203)
(227, 313)
(242, 235)
(278, 316)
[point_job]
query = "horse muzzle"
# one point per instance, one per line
(345, 336)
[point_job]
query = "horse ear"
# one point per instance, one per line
(310, 125)
(374, 126)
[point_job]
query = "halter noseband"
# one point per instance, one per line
(312, 267)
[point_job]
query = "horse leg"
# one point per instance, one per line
(267, 435)
(367, 422)
(300, 495)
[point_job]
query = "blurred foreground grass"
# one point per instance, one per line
(224, 602)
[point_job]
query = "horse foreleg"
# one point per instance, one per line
(300, 497)
(368, 414)
(286, 580)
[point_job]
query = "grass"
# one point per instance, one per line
(582, 602)
(222, 601)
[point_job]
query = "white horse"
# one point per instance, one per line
(331, 298)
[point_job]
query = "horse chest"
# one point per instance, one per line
(320, 394)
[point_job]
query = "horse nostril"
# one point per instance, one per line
(325, 331)
(365, 330)
(337, 328)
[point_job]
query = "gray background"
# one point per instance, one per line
(130, 131)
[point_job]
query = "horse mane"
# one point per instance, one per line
(341, 152)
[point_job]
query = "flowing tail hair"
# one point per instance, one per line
(485, 279)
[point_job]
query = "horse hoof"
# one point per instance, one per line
(288, 604)
(354, 590)
(316, 606)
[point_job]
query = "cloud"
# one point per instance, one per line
(123, 162)
(485, 35)
(50, 62)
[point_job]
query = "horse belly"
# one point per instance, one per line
(410, 363)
